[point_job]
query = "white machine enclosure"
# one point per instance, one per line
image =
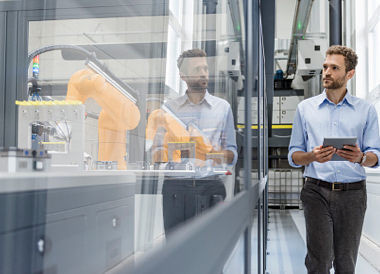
(23, 160)
(284, 109)
(55, 112)
(229, 59)
(311, 53)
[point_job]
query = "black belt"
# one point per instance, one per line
(337, 186)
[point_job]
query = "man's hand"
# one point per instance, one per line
(351, 153)
(319, 154)
(323, 154)
(228, 156)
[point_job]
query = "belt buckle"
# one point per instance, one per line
(334, 188)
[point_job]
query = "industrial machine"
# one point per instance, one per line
(23, 160)
(119, 111)
(311, 53)
(64, 121)
(54, 126)
(229, 58)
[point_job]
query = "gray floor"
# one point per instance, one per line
(286, 245)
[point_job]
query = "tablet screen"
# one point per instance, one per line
(338, 143)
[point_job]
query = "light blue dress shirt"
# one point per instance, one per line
(318, 117)
(212, 115)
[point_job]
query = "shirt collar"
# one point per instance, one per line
(208, 98)
(347, 99)
(184, 99)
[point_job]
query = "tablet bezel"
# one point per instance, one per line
(338, 143)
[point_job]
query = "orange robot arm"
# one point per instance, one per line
(118, 114)
(202, 144)
(175, 132)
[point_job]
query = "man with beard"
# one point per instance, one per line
(209, 122)
(334, 195)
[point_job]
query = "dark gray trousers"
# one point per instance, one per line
(186, 198)
(334, 221)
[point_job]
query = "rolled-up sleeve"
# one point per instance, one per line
(297, 139)
(230, 136)
(371, 138)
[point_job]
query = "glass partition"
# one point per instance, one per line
(124, 69)
(367, 86)
(130, 120)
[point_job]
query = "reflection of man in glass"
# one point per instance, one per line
(209, 125)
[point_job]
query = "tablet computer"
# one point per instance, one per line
(338, 143)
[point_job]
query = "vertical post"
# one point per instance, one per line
(260, 94)
(210, 5)
(259, 237)
(210, 46)
(268, 10)
(10, 119)
(249, 59)
(257, 63)
(3, 33)
(335, 20)
(265, 225)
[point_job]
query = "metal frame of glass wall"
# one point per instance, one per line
(205, 244)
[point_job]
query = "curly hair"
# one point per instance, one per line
(189, 54)
(350, 57)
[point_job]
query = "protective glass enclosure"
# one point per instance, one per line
(131, 117)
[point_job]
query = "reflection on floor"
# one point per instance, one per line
(286, 245)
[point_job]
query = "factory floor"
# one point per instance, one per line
(287, 245)
(286, 242)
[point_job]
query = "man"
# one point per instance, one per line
(209, 124)
(334, 195)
